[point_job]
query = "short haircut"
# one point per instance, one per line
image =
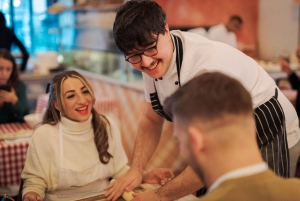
(137, 25)
(209, 97)
(237, 18)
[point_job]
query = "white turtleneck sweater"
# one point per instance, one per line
(41, 169)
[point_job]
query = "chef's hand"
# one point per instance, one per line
(32, 196)
(147, 195)
(8, 96)
(158, 176)
(127, 182)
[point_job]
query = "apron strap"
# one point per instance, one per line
(61, 150)
(276, 94)
(156, 105)
(179, 55)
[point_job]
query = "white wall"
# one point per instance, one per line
(278, 26)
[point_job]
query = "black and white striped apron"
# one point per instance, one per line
(271, 136)
(156, 105)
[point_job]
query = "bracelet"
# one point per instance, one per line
(157, 195)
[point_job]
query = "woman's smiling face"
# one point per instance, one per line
(77, 100)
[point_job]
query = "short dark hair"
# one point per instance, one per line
(209, 97)
(237, 18)
(137, 25)
(14, 77)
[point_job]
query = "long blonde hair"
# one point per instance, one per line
(52, 115)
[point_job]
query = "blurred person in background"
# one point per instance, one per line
(215, 128)
(295, 84)
(13, 99)
(75, 151)
(8, 38)
(169, 59)
(225, 33)
(292, 77)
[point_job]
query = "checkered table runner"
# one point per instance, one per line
(13, 128)
(12, 155)
(41, 103)
(106, 105)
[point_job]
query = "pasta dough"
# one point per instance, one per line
(127, 196)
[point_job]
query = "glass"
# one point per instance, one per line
(137, 58)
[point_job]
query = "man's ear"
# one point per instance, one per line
(167, 28)
(197, 139)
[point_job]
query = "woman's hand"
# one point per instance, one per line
(127, 182)
(8, 96)
(32, 196)
(158, 176)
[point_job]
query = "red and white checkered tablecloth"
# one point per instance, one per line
(106, 106)
(12, 154)
(41, 103)
(13, 128)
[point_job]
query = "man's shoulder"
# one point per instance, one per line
(260, 184)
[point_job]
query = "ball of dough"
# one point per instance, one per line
(127, 196)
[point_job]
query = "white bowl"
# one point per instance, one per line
(33, 119)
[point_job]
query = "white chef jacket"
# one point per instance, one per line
(203, 55)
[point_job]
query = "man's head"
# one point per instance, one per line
(234, 24)
(212, 114)
(142, 34)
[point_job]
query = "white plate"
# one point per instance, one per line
(20, 134)
(294, 66)
(33, 119)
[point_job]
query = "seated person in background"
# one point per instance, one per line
(8, 37)
(225, 32)
(283, 83)
(292, 77)
(75, 151)
(199, 30)
(211, 125)
(285, 87)
(13, 99)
